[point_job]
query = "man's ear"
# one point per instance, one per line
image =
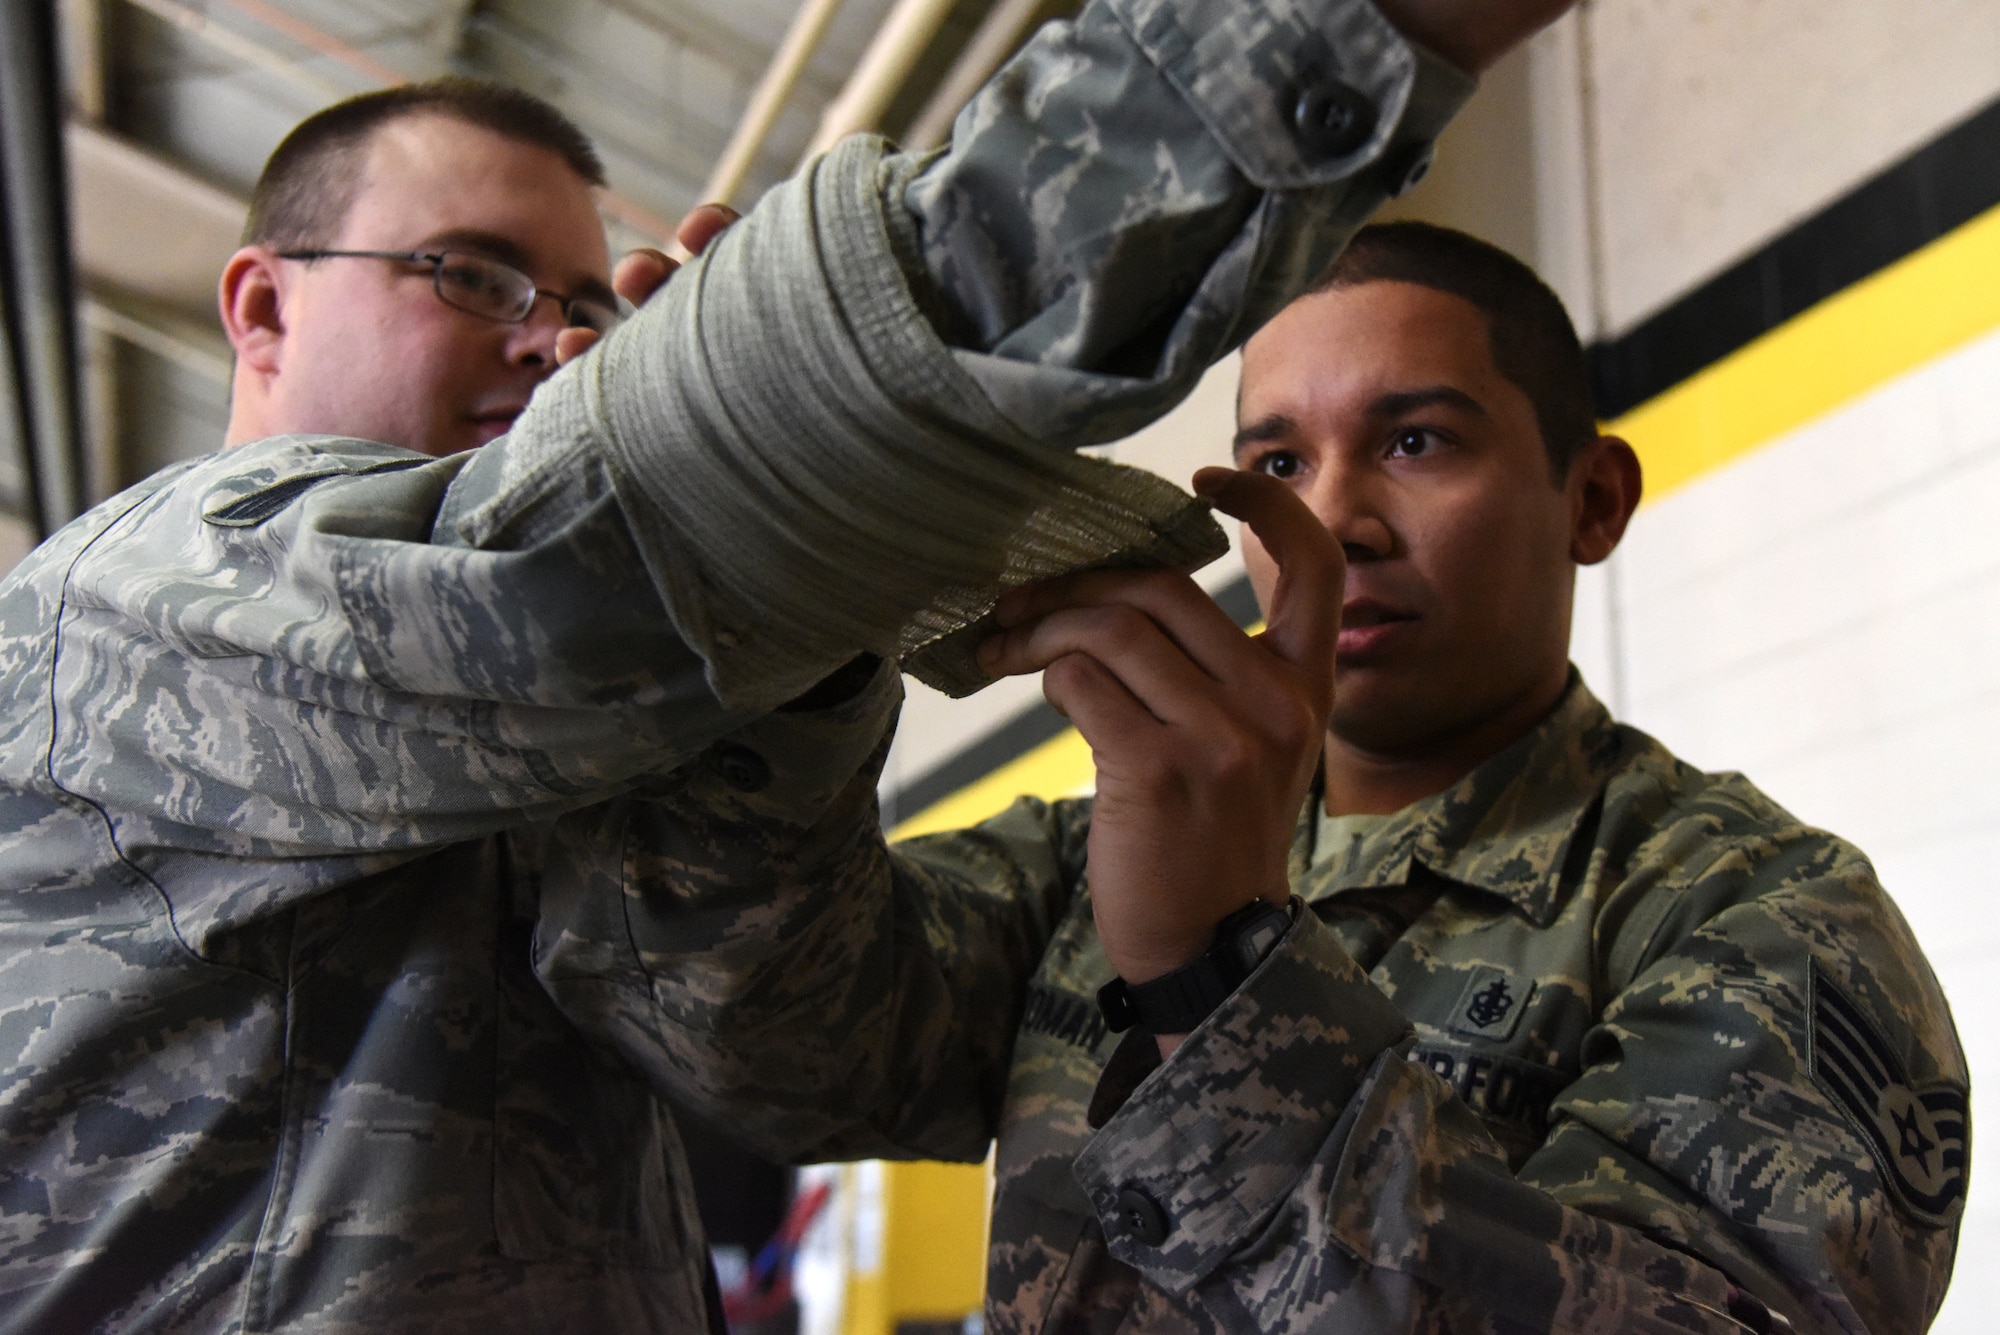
(251, 296)
(1605, 482)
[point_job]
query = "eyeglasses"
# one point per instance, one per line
(483, 287)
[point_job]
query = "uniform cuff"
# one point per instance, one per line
(1214, 1140)
(1301, 93)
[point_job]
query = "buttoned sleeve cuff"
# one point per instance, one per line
(1214, 1140)
(1302, 93)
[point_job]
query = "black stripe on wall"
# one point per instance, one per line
(1022, 733)
(1948, 182)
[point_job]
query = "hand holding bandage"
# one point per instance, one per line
(1205, 738)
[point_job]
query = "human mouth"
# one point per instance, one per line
(494, 423)
(1369, 627)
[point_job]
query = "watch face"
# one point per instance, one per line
(1259, 938)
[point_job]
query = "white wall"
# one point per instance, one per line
(1716, 124)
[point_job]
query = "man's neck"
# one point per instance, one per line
(250, 416)
(1359, 782)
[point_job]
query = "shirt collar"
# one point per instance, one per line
(1505, 828)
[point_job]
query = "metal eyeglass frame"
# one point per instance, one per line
(611, 315)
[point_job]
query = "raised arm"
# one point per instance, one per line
(850, 420)
(1123, 204)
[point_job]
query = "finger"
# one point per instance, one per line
(703, 224)
(1303, 621)
(573, 342)
(1123, 640)
(640, 273)
(1091, 697)
(1183, 610)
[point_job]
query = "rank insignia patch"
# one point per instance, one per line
(1917, 1133)
(1491, 1004)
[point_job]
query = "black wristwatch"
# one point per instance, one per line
(1174, 1003)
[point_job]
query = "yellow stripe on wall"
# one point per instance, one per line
(1912, 312)
(931, 1263)
(1059, 767)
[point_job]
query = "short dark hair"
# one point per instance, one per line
(1532, 340)
(308, 185)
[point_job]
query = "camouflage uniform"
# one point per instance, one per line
(1589, 1042)
(346, 794)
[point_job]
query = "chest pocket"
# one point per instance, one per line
(1503, 1038)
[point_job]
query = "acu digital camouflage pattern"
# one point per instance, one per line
(1063, 275)
(360, 812)
(1540, 1054)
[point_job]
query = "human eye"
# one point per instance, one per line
(1415, 442)
(481, 285)
(1281, 464)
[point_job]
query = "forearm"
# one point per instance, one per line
(851, 419)
(762, 956)
(337, 684)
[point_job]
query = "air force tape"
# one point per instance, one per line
(1917, 1133)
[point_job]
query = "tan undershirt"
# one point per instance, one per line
(1333, 836)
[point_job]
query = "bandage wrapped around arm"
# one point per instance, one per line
(853, 421)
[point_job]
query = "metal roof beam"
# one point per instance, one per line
(143, 226)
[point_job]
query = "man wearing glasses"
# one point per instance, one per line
(355, 216)
(350, 778)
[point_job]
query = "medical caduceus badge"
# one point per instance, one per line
(1917, 1132)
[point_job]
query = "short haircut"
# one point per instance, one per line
(1532, 340)
(309, 183)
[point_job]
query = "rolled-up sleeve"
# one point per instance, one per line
(794, 455)
(853, 419)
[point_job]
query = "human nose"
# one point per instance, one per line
(532, 342)
(1348, 501)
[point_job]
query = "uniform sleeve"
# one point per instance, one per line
(830, 434)
(838, 433)
(264, 657)
(855, 416)
(815, 992)
(1713, 1164)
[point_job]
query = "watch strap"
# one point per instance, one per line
(1176, 1002)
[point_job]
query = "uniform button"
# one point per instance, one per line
(741, 768)
(1332, 119)
(1407, 168)
(1140, 1217)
